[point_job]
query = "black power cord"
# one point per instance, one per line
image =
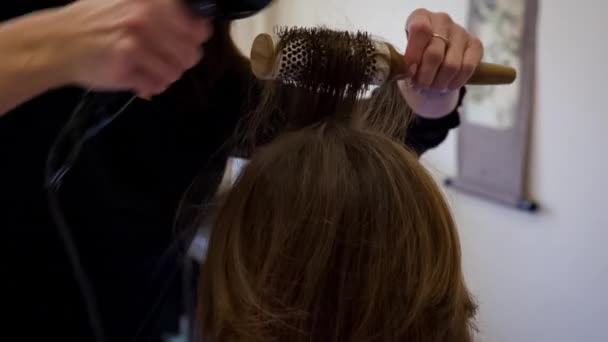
(86, 121)
(88, 118)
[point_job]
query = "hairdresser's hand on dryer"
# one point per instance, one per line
(437, 69)
(136, 45)
(139, 45)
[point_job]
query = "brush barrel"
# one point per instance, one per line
(268, 63)
(290, 63)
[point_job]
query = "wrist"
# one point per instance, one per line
(429, 104)
(34, 49)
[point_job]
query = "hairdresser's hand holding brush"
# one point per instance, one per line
(119, 45)
(441, 56)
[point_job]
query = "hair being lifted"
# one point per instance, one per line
(333, 75)
(334, 231)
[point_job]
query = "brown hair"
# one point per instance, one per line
(335, 234)
(334, 231)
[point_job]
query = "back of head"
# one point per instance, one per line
(334, 233)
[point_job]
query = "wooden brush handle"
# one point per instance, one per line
(490, 73)
(263, 57)
(265, 63)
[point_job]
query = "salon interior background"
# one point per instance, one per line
(542, 277)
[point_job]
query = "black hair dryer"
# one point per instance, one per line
(227, 9)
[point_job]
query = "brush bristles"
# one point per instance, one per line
(323, 60)
(326, 76)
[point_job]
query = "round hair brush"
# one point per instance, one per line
(293, 55)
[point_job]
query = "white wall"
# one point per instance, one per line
(538, 278)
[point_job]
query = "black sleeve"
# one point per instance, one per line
(425, 134)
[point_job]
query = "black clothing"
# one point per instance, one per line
(120, 201)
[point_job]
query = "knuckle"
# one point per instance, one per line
(444, 17)
(460, 32)
(207, 33)
(145, 89)
(142, 9)
(154, 86)
(420, 28)
(166, 77)
(475, 43)
(134, 24)
(160, 87)
(126, 47)
(420, 11)
(193, 58)
(204, 30)
(175, 75)
(167, 74)
(137, 19)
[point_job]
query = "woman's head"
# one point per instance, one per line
(334, 234)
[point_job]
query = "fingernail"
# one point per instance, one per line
(412, 70)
